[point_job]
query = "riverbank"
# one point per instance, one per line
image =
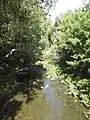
(46, 103)
(76, 86)
(53, 102)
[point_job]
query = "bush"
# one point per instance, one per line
(73, 40)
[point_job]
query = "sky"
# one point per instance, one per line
(64, 5)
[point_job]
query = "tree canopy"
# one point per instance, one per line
(22, 29)
(71, 35)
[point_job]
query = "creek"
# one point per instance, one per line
(51, 103)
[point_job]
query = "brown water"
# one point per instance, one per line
(51, 103)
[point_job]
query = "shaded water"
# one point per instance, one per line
(51, 103)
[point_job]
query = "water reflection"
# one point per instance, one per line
(63, 108)
(56, 105)
(51, 104)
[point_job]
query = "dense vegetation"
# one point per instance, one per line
(71, 35)
(22, 28)
(23, 34)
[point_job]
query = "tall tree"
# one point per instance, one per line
(21, 30)
(72, 36)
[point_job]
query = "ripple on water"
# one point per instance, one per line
(51, 103)
(62, 106)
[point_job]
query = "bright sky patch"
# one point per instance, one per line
(64, 5)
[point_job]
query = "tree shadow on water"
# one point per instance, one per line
(28, 90)
(10, 109)
(11, 106)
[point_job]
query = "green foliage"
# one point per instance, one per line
(72, 37)
(22, 29)
(74, 43)
(48, 4)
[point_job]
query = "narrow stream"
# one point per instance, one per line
(63, 107)
(51, 103)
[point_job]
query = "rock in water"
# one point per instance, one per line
(45, 87)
